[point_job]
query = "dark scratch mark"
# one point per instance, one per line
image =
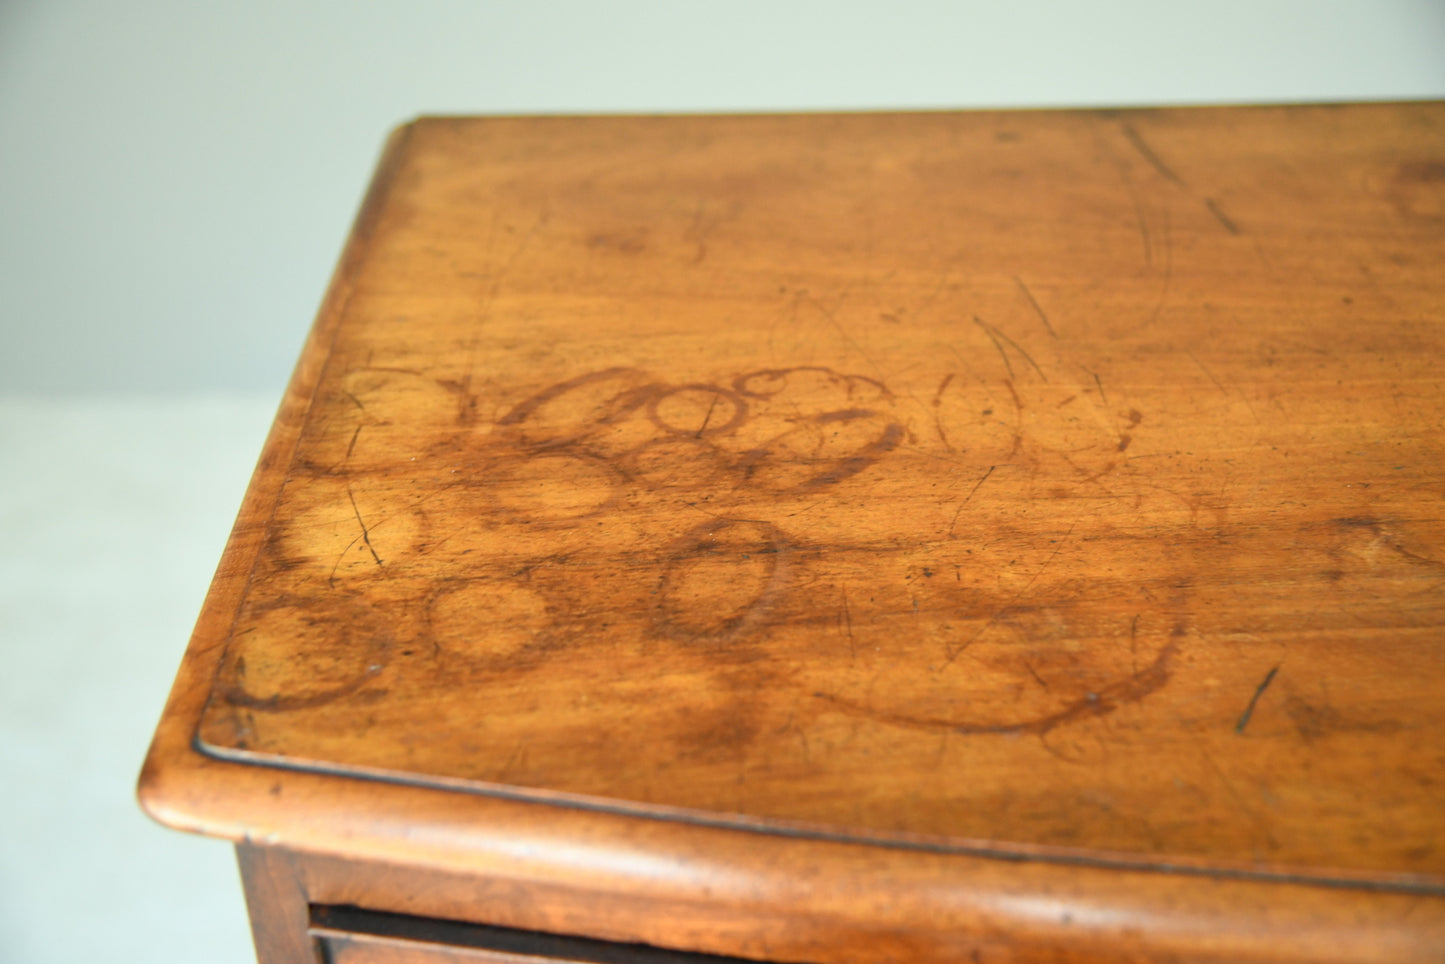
(1258, 692)
(1124, 441)
(355, 400)
(848, 624)
(365, 533)
(1034, 673)
(354, 435)
(331, 580)
(996, 334)
(938, 415)
(980, 482)
(1149, 155)
(971, 491)
(1100, 386)
(1033, 301)
(1018, 418)
(1133, 191)
(708, 417)
(1018, 403)
(1220, 216)
(997, 344)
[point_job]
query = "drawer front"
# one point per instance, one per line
(348, 935)
(370, 950)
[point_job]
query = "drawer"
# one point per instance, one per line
(348, 935)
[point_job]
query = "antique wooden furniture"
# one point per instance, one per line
(946, 536)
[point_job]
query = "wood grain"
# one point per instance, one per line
(1055, 486)
(362, 937)
(277, 905)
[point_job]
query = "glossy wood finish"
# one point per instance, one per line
(279, 909)
(1002, 533)
(365, 937)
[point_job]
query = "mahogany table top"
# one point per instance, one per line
(1066, 486)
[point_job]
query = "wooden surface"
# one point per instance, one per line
(351, 936)
(1061, 486)
(276, 902)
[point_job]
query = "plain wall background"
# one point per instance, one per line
(176, 177)
(176, 180)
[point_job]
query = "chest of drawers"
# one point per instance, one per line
(850, 538)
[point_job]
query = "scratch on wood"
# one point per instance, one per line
(1034, 301)
(843, 333)
(959, 510)
(938, 415)
(1014, 392)
(996, 344)
(331, 580)
(699, 230)
(1106, 145)
(708, 417)
(1140, 217)
(848, 624)
(971, 491)
(1220, 216)
(1148, 155)
(1035, 674)
(953, 653)
(352, 446)
(1254, 700)
(1207, 372)
(995, 334)
(365, 533)
(980, 482)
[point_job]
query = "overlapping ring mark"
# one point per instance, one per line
(617, 438)
(595, 417)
